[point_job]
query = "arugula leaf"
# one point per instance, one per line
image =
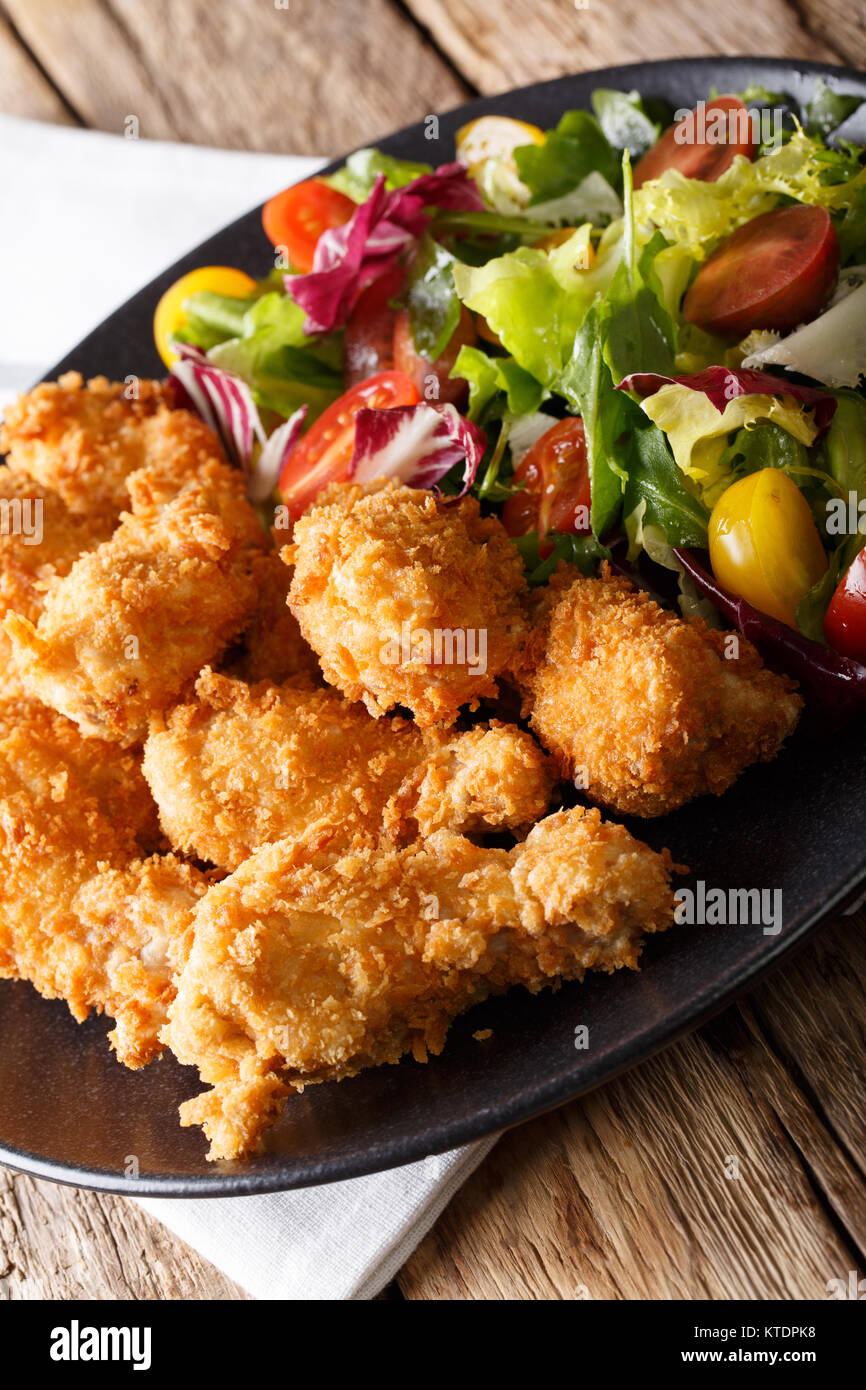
(583, 551)
(656, 494)
(764, 446)
(639, 329)
(588, 386)
(827, 109)
(434, 308)
(574, 149)
(624, 121)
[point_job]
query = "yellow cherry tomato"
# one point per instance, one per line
(764, 544)
(494, 137)
(169, 316)
(492, 140)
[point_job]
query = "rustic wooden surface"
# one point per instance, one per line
(631, 1193)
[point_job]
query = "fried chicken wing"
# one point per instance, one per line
(133, 621)
(83, 442)
(84, 916)
(309, 965)
(407, 601)
(646, 711)
(242, 766)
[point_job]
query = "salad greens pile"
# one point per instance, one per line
(576, 271)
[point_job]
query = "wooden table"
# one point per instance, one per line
(628, 1193)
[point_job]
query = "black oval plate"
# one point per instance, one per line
(70, 1113)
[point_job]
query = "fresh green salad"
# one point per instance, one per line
(638, 337)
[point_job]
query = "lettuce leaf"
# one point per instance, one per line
(698, 432)
(489, 376)
(698, 215)
(362, 168)
(827, 109)
(639, 328)
(574, 149)
(283, 366)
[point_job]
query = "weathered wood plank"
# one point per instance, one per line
(60, 1243)
(24, 91)
(626, 1195)
(515, 42)
(309, 78)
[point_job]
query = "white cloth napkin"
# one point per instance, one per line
(87, 220)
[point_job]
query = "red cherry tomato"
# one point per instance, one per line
(325, 452)
(845, 619)
(776, 271)
(368, 345)
(297, 217)
(693, 146)
(420, 368)
(556, 492)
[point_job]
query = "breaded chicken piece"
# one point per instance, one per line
(309, 965)
(407, 601)
(83, 915)
(85, 441)
(488, 778)
(271, 645)
(240, 767)
(643, 710)
(134, 621)
(40, 540)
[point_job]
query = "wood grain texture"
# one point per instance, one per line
(626, 1193)
(24, 90)
(60, 1243)
(514, 42)
(314, 78)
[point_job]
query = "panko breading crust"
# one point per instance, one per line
(379, 570)
(84, 916)
(646, 711)
(309, 964)
(133, 621)
(40, 540)
(83, 442)
(242, 766)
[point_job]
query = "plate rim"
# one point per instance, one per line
(289, 1175)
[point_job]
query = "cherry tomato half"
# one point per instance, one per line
(764, 544)
(845, 619)
(776, 271)
(407, 359)
(556, 492)
(325, 452)
(703, 144)
(368, 344)
(297, 217)
(169, 316)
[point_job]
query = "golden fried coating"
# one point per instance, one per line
(85, 441)
(240, 767)
(488, 778)
(645, 711)
(271, 646)
(407, 601)
(83, 915)
(309, 965)
(40, 539)
(134, 620)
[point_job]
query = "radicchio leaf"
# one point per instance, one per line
(224, 401)
(349, 258)
(721, 385)
(833, 685)
(418, 444)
